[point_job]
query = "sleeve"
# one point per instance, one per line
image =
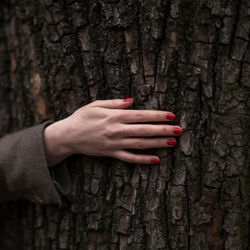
(24, 172)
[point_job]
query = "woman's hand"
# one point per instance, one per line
(105, 128)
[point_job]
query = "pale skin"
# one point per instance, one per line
(106, 128)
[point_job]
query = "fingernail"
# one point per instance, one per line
(170, 116)
(128, 99)
(178, 131)
(155, 160)
(171, 142)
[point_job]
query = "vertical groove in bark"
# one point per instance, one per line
(189, 57)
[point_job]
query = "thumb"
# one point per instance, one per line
(113, 103)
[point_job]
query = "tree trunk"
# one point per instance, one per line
(187, 56)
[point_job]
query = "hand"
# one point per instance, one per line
(104, 128)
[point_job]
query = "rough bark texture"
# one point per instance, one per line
(191, 57)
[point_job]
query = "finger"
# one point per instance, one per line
(113, 103)
(134, 116)
(143, 143)
(146, 130)
(135, 158)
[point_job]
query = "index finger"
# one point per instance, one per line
(131, 116)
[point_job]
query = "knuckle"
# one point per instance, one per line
(114, 102)
(132, 160)
(140, 115)
(112, 132)
(76, 112)
(162, 143)
(128, 159)
(120, 114)
(112, 117)
(116, 131)
(139, 144)
(121, 158)
(95, 103)
(145, 131)
(165, 130)
(108, 145)
(109, 132)
(115, 154)
(123, 130)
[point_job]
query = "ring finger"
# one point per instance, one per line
(147, 130)
(143, 143)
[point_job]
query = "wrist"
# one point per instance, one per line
(57, 146)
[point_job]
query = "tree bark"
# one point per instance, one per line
(187, 56)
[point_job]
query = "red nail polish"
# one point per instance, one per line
(128, 99)
(170, 116)
(178, 131)
(171, 142)
(155, 160)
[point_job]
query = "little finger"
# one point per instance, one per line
(126, 156)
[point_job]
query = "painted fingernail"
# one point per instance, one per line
(170, 116)
(171, 142)
(178, 131)
(155, 160)
(128, 99)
